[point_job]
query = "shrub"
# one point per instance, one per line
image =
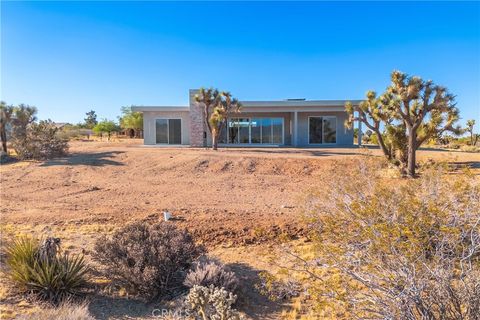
(41, 141)
(149, 260)
(211, 272)
(212, 303)
(277, 290)
(52, 278)
(401, 249)
(65, 311)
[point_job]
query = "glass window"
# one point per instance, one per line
(315, 130)
(329, 130)
(174, 131)
(223, 134)
(267, 131)
(277, 129)
(256, 130)
(233, 130)
(162, 130)
(168, 131)
(244, 130)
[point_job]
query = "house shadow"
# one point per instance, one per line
(250, 301)
(97, 159)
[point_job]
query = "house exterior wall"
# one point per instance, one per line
(344, 135)
(149, 128)
(198, 128)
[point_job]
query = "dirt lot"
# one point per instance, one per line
(238, 202)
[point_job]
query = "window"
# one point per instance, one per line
(168, 131)
(322, 130)
(254, 131)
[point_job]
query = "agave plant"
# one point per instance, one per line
(52, 280)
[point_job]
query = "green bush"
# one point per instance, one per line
(150, 260)
(53, 280)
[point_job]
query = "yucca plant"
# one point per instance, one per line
(52, 280)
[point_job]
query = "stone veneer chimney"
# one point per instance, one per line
(197, 123)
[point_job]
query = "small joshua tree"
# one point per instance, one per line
(412, 111)
(217, 105)
(469, 129)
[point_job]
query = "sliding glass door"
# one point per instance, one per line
(253, 131)
(322, 130)
(168, 131)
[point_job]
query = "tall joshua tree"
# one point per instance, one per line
(216, 108)
(412, 111)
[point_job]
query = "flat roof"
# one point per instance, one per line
(160, 108)
(283, 105)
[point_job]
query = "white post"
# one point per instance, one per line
(359, 137)
(295, 128)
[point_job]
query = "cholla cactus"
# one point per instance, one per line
(211, 303)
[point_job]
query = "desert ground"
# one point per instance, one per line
(240, 203)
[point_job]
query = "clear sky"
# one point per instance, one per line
(69, 57)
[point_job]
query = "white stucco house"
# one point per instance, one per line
(291, 122)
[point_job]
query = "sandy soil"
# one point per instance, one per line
(233, 195)
(232, 200)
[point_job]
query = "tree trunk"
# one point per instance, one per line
(382, 145)
(412, 149)
(4, 140)
(214, 140)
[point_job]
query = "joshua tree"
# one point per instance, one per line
(5, 118)
(469, 129)
(216, 108)
(412, 111)
(22, 117)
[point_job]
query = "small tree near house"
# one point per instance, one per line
(217, 105)
(410, 112)
(131, 121)
(106, 126)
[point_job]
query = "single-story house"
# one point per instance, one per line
(291, 122)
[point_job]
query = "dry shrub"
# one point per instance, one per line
(66, 311)
(276, 289)
(150, 260)
(395, 248)
(40, 141)
(211, 272)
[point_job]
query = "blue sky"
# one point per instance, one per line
(69, 57)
